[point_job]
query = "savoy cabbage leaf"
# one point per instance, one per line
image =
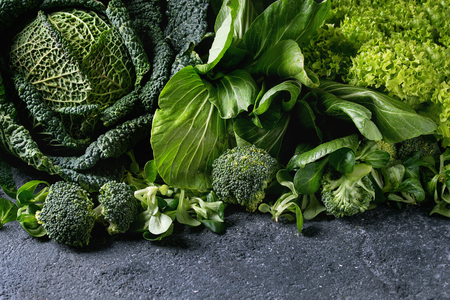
(82, 80)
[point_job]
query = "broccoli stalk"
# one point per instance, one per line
(347, 194)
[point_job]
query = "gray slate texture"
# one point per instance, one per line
(384, 253)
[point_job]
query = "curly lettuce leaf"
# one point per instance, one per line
(398, 47)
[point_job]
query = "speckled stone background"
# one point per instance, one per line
(384, 253)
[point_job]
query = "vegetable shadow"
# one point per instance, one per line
(100, 240)
(311, 231)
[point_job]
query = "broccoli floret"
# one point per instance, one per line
(347, 194)
(389, 148)
(240, 176)
(425, 145)
(118, 207)
(67, 214)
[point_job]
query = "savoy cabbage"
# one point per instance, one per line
(80, 79)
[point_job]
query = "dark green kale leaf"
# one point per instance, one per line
(186, 23)
(6, 179)
(11, 10)
(120, 17)
(113, 143)
(186, 27)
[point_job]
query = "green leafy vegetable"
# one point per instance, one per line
(29, 202)
(7, 180)
(279, 91)
(84, 81)
(299, 161)
(8, 211)
(359, 114)
(300, 20)
(343, 160)
(154, 220)
(187, 133)
(314, 207)
(224, 31)
(247, 133)
(238, 85)
(376, 153)
(286, 203)
(162, 206)
(209, 213)
(229, 115)
(88, 77)
(307, 180)
(196, 104)
(284, 60)
(395, 120)
(400, 48)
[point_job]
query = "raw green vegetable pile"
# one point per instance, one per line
(400, 48)
(154, 115)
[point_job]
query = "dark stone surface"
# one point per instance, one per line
(384, 253)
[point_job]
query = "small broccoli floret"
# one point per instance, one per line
(118, 207)
(67, 214)
(241, 174)
(389, 148)
(425, 145)
(347, 194)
